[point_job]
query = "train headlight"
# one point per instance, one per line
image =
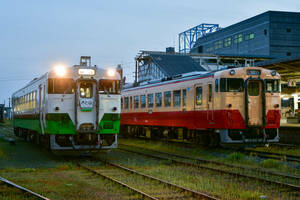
(232, 72)
(111, 72)
(273, 73)
(60, 70)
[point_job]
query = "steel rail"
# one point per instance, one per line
(25, 190)
(277, 156)
(193, 192)
(294, 187)
(116, 181)
(220, 163)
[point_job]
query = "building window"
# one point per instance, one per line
(158, 99)
(238, 38)
(198, 96)
(288, 30)
(249, 36)
(136, 102)
(143, 101)
(167, 98)
(227, 42)
(177, 98)
(218, 44)
(265, 32)
(150, 100)
(288, 53)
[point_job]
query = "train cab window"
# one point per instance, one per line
(272, 85)
(167, 98)
(158, 99)
(231, 85)
(86, 90)
(150, 100)
(253, 88)
(136, 102)
(143, 101)
(184, 97)
(177, 98)
(209, 92)
(217, 85)
(198, 95)
(109, 86)
(61, 86)
(126, 102)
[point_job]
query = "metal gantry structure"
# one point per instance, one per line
(188, 38)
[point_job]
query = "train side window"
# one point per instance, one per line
(130, 102)
(209, 92)
(121, 102)
(198, 95)
(184, 97)
(150, 100)
(217, 85)
(272, 85)
(126, 102)
(143, 101)
(136, 102)
(167, 98)
(158, 99)
(177, 98)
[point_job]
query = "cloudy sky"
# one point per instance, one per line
(37, 34)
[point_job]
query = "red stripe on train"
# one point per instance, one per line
(218, 119)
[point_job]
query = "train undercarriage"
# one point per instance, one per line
(81, 142)
(209, 137)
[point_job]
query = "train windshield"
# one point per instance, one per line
(86, 90)
(232, 84)
(61, 86)
(110, 86)
(272, 85)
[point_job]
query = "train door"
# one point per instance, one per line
(255, 103)
(41, 110)
(210, 104)
(86, 104)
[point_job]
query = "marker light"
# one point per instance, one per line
(111, 72)
(232, 72)
(60, 70)
(273, 73)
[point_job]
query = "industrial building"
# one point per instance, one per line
(273, 33)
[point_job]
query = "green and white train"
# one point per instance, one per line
(74, 108)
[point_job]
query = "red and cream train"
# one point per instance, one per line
(232, 106)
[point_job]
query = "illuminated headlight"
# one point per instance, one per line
(111, 72)
(232, 72)
(273, 73)
(89, 72)
(60, 70)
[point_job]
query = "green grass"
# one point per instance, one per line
(270, 163)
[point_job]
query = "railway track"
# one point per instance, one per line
(174, 159)
(272, 155)
(156, 191)
(24, 190)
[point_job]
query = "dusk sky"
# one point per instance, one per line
(36, 35)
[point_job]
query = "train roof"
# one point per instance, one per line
(180, 78)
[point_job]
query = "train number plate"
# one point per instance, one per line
(253, 72)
